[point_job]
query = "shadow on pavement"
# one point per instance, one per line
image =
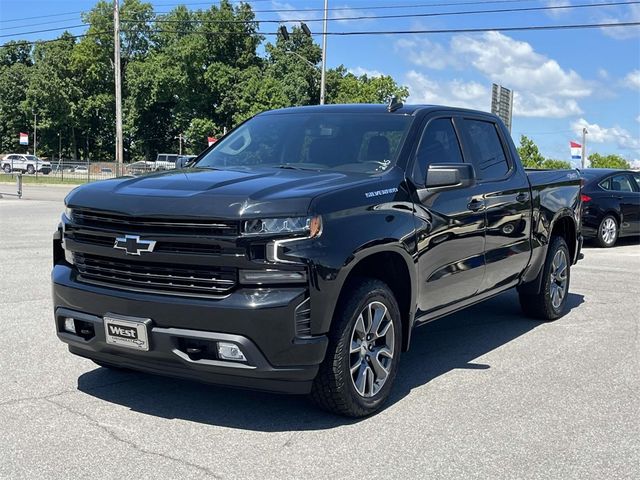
(437, 348)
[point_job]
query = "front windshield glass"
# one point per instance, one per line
(365, 143)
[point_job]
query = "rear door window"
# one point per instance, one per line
(486, 149)
(618, 183)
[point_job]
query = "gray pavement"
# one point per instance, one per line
(485, 393)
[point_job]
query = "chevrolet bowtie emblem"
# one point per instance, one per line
(132, 245)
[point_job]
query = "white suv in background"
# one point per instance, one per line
(18, 162)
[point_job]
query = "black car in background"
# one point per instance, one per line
(610, 204)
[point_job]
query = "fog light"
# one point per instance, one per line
(68, 256)
(69, 325)
(230, 351)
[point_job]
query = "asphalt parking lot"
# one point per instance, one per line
(485, 393)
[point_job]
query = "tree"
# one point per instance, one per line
(529, 153)
(553, 164)
(608, 161)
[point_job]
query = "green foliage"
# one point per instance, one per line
(608, 161)
(195, 73)
(553, 164)
(529, 153)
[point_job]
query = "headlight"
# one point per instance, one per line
(270, 226)
(68, 212)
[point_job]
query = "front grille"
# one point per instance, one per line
(162, 246)
(144, 225)
(156, 277)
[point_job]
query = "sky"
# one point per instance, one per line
(563, 80)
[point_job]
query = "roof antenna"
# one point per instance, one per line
(394, 104)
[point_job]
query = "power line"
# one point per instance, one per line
(39, 42)
(369, 17)
(385, 7)
(414, 32)
(404, 15)
(45, 30)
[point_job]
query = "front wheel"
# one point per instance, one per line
(551, 302)
(362, 358)
(30, 169)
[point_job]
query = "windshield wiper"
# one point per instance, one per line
(294, 166)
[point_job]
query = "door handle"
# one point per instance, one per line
(522, 197)
(476, 205)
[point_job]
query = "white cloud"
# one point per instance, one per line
(516, 65)
(603, 74)
(291, 16)
(455, 93)
(359, 71)
(630, 13)
(541, 86)
(618, 135)
(560, 11)
(632, 80)
(425, 53)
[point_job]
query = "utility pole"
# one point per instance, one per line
(35, 132)
(323, 75)
(180, 139)
(584, 146)
(118, 79)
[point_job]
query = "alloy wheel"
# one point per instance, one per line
(372, 349)
(608, 230)
(559, 270)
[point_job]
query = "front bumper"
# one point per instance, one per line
(260, 321)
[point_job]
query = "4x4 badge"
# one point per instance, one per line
(132, 245)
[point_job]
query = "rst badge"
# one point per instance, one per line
(128, 333)
(133, 245)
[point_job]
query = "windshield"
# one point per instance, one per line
(365, 143)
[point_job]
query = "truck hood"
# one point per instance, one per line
(213, 193)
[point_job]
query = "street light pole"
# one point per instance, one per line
(584, 146)
(323, 75)
(118, 79)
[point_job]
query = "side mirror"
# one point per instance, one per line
(450, 175)
(181, 162)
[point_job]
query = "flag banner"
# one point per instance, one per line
(211, 140)
(576, 151)
(24, 138)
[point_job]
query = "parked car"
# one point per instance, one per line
(166, 161)
(18, 162)
(80, 169)
(611, 205)
(299, 252)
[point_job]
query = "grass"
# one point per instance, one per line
(42, 180)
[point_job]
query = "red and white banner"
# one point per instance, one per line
(576, 151)
(24, 138)
(211, 140)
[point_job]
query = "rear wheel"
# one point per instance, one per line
(608, 232)
(551, 302)
(362, 358)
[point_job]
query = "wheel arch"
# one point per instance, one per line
(396, 269)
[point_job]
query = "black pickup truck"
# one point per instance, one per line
(298, 253)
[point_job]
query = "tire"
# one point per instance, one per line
(30, 169)
(556, 277)
(334, 388)
(7, 168)
(608, 231)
